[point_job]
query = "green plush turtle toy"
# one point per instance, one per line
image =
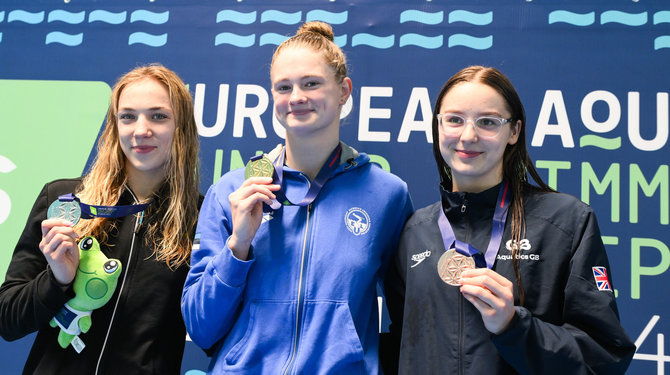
(94, 284)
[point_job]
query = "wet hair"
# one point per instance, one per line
(172, 219)
(318, 36)
(517, 164)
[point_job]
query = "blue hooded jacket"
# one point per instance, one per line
(305, 301)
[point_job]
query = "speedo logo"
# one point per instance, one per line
(418, 258)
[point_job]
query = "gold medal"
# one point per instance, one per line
(261, 167)
(451, 264)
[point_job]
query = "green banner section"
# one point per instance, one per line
(47, 131)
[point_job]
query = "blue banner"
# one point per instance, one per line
(593, 77)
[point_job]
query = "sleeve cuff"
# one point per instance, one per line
(230, 270)
(53, 294)
(516, 328)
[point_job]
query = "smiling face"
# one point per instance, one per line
(475, 162)
(146, 126)
(307, 97)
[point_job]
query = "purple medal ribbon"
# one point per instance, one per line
(497, 229)
(90, 211)
(315, 187)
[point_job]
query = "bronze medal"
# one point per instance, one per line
(451, 264)
(261, 167)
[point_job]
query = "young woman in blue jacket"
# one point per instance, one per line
(284, 270)
(499, 276)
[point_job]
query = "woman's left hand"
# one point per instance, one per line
(492, 295)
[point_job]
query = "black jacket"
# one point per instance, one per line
(567, 325)
(139, 331)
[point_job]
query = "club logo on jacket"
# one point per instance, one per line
(357, 221)
(420, 257)
(522, 246)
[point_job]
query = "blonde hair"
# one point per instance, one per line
(318, 36)
(171, 219)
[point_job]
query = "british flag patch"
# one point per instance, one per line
(600, 274)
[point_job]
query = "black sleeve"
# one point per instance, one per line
(591, 340)
(30, 295)
(394, 289)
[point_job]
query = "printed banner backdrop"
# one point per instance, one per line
(593, 76)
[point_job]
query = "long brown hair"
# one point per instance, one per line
(171, 220)
(517, 164)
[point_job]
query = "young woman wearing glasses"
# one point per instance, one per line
(499, 276)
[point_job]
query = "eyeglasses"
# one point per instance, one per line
(485, 126)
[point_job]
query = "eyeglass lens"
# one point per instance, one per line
(486, 126)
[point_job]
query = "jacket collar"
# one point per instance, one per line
(453, 201)
(349, 158)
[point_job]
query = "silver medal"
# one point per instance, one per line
(452, 264)
(70, 211)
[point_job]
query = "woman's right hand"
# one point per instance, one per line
(59, 246)
(246, 205)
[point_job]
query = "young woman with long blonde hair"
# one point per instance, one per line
(146, 164)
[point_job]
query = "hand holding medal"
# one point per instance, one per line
(59, 246)
(487, 290)
(59, 239)
(492, 295)
(246, 204)
(258, 165)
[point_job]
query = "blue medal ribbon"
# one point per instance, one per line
(89, 211)
(315, 187)
(497, 229)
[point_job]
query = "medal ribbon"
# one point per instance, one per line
(497, 229)
(90, 211)
(315, 187)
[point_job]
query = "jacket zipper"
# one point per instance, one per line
(301, 290)
(138, 221)
(461, 336)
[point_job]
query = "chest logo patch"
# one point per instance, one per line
(357, 221)
(524, 244)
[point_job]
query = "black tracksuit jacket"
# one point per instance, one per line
(567, 325)
(139, 331)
